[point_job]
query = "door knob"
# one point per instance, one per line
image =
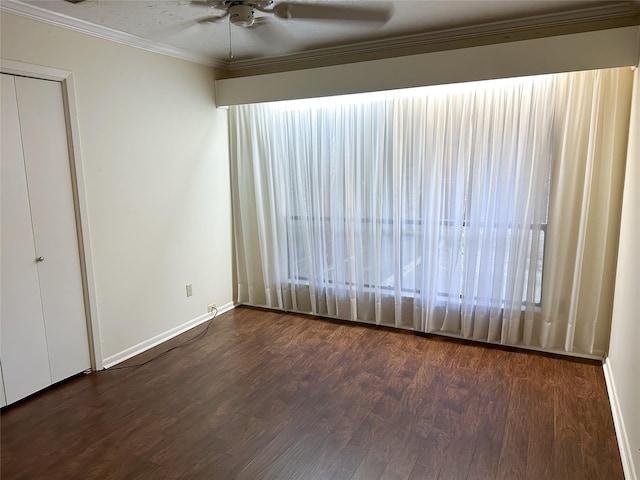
(40, 259)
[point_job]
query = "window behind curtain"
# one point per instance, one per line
(428, 209)
(429, 184)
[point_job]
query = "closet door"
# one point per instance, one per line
(23, 345)
(46, 158)
(44, 334)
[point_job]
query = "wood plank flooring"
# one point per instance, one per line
(265, 395)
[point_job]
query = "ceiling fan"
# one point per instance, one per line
(253, 14)
(242, 12)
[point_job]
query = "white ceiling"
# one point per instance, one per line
(178, 23)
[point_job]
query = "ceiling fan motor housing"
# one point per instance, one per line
(241, 15)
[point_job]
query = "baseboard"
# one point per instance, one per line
(621, 431)
(163, 337)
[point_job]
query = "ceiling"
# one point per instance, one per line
(186, 25)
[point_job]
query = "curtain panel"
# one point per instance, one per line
(486, 210)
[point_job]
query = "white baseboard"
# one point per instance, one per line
(163, 337)
(618, 422)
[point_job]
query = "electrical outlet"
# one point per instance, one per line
(211, 307)
(189, 289)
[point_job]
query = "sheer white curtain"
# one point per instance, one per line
(466, 209)
(592, 128)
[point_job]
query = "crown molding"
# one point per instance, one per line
(618, 14)
(615, 14)
(53, 18)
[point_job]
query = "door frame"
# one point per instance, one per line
(79, 195)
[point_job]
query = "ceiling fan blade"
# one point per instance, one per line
(272, 36)
(168, 31)
(208, 3)
(313, 11)
(212, 18)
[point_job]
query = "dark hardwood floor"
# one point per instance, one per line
(265, 395)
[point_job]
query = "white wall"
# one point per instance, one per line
(155, 159)
(623, 363)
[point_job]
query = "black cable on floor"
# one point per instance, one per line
(162, 354)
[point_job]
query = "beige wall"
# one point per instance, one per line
(155, 159)
(623, 362)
